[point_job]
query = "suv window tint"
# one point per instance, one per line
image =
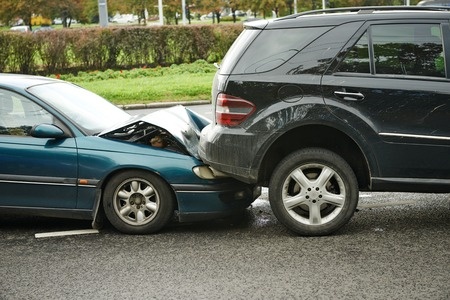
(235, 51)
(272, 48)
(357, 59)
(399, 49)
(316, 57)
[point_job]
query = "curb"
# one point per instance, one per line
(163, 104)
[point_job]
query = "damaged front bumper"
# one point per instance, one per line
(205, 202)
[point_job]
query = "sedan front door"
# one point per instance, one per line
(34, 172)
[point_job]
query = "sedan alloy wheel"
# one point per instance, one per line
(138, 202)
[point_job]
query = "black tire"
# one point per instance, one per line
(313, 192)
(138, 202)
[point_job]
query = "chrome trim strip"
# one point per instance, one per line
(412, 180)
(47, 183)
(431, 137)
(37, 183)
(45, 180)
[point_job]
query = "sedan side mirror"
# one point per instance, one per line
(48, 131)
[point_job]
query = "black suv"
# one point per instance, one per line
(320, 105)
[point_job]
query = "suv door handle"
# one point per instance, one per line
(349, 96)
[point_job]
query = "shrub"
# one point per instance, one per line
(23, 53)
(53, 49)
(5, 51)
(115, 48)
(197, 67)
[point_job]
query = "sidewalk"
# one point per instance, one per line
(164, 104)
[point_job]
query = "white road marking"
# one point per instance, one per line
(65, 233)
(364, 196)
(377, 205)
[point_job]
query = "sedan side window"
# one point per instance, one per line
(19, 114)
(398, 49)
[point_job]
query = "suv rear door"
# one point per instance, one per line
(393, 86)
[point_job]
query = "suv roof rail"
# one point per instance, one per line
(368, 10)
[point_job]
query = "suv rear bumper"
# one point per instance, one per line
(229, 151)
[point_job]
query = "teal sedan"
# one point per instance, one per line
(66, 152)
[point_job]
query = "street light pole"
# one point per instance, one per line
(160, 10)
(183, 8)
(103, 13)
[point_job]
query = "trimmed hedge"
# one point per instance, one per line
(87, 49)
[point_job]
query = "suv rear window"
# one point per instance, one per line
(398, 49)
(272, 48)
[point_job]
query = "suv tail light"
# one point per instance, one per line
(232, 111)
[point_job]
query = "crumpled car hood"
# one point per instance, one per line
(182, 123)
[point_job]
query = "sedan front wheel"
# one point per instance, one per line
(137, 202)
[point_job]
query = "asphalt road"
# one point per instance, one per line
(397, 246)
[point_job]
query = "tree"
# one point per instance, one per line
(67, 10)
(139, 7)
(214, 6)
(87, 10)
(253, 5)
(235, 5)
(13, 10)
(172, 11)
(272, 6)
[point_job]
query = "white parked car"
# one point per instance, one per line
(21, 28)
(124, 19)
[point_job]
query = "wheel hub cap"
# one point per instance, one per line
(313, 194)
(137, 199)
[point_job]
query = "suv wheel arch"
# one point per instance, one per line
(319, 136)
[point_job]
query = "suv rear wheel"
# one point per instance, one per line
(313, 192)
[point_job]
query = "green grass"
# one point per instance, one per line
(144, 90)
(146, 85)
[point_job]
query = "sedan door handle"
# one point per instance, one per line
(349, 96)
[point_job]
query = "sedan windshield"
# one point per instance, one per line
(90, 112)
